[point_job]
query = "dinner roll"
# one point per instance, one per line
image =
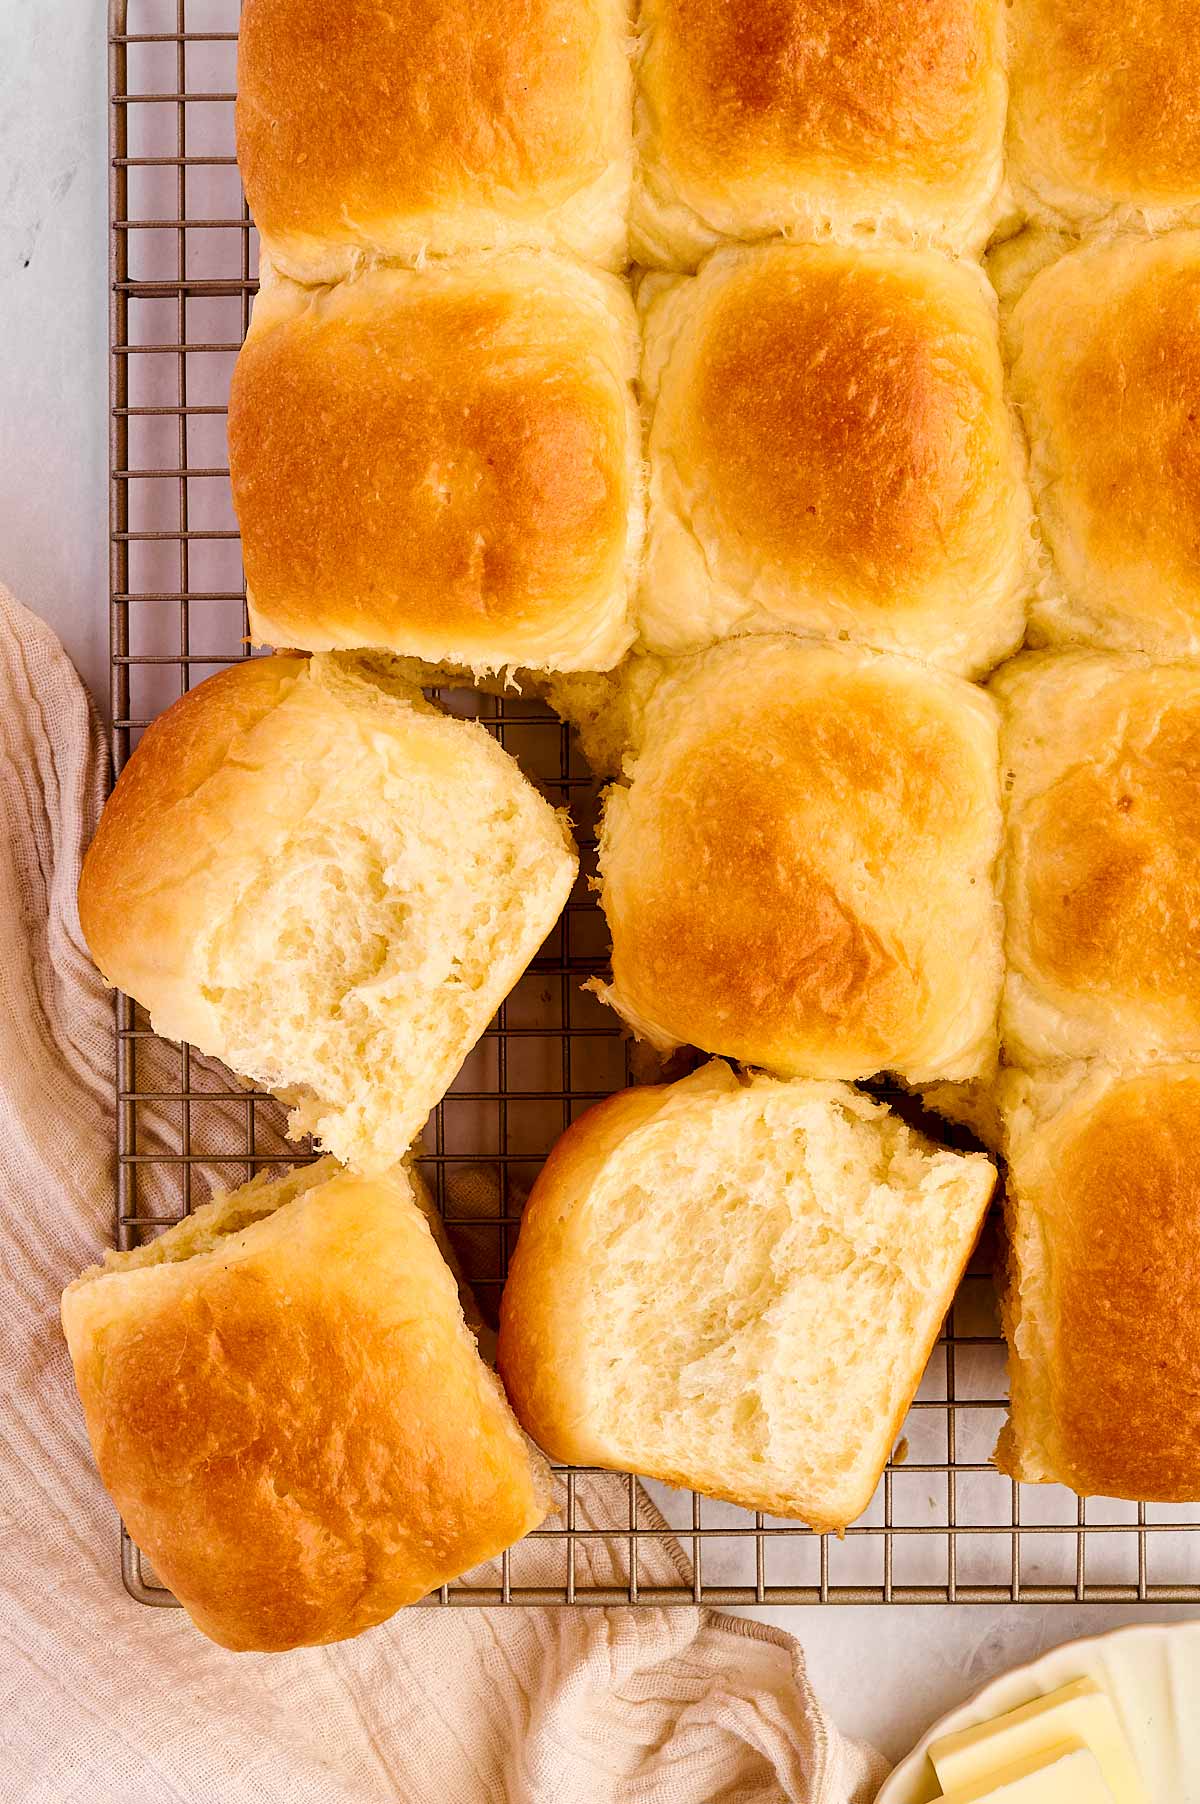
(290, 1411)
(735, 1285)
(1103, 122)
(444, 463)
(1101, 760)
(814, 118)
(1106, 371)
(309, 872)
(832, 453)
(798, 868)
(1103, 1290)
(407, 128)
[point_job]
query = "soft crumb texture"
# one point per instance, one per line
(1104, 120)
(599, 704)
(1102, 1299)
(1101, 762)
(606, 711)
(832, 453)
(973, 1105)
(798, 871)
(812, 118)
(412, 128)
(734, 1284)
(312, 874)
(289, 1411)
(443, 463)
(1105, 368)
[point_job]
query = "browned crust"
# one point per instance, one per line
(1110, 1379)
(434, 468)
(1112, 865)
(297, 1428)
(794, 877)
(1104, 98)
(843, 419)
(1106, 376)
(350, 116)
(804, 82)
(128, 864)
(1139, 481)
(536, 1315)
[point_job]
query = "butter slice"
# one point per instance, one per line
(1080, 1714)
(1062, 1775)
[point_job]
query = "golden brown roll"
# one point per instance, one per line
(1103, 122)
(1103, 1290)
(814, 118)
(311, 873)
(1101, 762)
(832, 453)
(762, 1345)
(444, 463)
(290, 1412)
(798, 868)
(406, 128)
(1106, 364)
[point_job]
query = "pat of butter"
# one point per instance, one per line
(1058, 1776)
(1080, 1714)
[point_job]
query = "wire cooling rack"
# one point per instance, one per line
(944, 1526)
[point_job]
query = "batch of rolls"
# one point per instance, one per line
(751, 382)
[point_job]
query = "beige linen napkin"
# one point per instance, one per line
(102, 1700)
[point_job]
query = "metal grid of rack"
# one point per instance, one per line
(944, 1526)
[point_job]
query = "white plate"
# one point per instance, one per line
(1151, 1673)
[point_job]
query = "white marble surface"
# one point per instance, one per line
(53, 301)
(885, 1673)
